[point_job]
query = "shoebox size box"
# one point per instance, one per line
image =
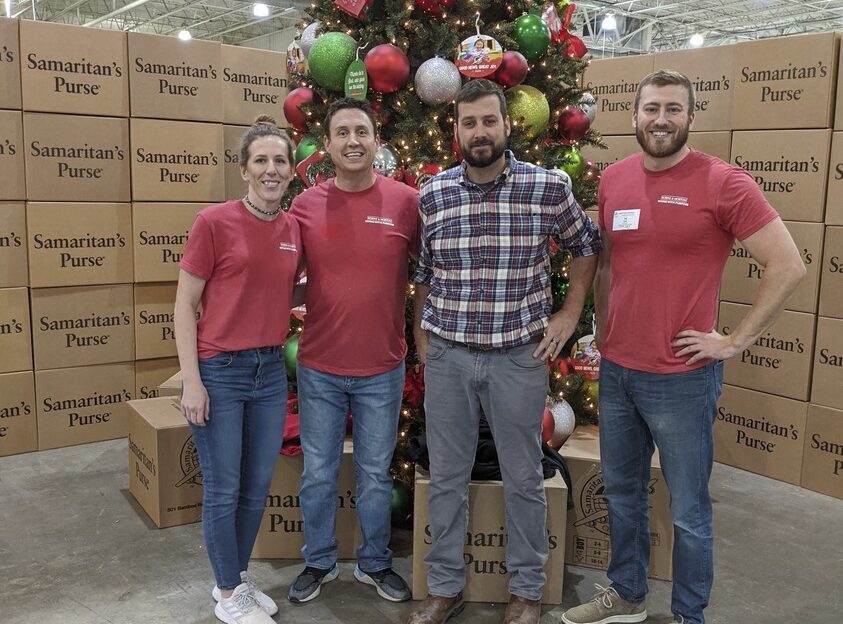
(9, 63)
(176, 161)
(790, 166)
(18, 427)
(235, 186)
(254, 82)
(618, 148)
(587, 543)
(80, 243)
(613, 83)
(150, 374)
(762, 433)
(15, 330)
(164, 472)
(785, 82)
(70, 69)
(711, 71)
(742, 274)
(717, 144)
(281, 534)
(154, 334)
(174, 79)
(487, 579)
(76, 158)
(834, 192)
(171, 386)
(83, 404)
(83, 325)
(831, 280)
(160, 232)
(827, 384)
(822, 461)
(12, 158)
(779, 362)
(14, 262)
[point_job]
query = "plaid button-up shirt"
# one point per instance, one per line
(485, 254)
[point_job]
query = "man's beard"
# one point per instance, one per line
(483, 161)
(665, 149)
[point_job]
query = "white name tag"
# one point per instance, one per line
(625, 219)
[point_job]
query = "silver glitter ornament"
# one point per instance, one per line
(588, 104)
(309, 35)
(437, 81)
(387, 162)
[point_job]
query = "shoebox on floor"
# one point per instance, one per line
(587, 541)
(487, 579)
(171, 387)
(281, 534)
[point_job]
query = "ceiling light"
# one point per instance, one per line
(609, 23)
(260, 10)
(184, 35)
(696, 40)
(8, 4)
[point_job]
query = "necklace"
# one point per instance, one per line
(263, 212)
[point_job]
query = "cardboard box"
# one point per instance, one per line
(790, 166)
(711, 71)
(827, 384)
(15, 330)
(254, 82)
(154, 334)
(760, 432)
(717, 144)
(84, 404)
(176, 161)
(83, 325)
(164, 473)
(79, 243)
(613, 82)
(619, 147)
(742, 274)
(235, 186)
(831, 281)
(70, 69)
(834, 194)
(9, 64)
(487, 579)
(150, 374)
(587, 543)
(160, 233)
(822, 462)
(281, 534)
(76, 158)
(12, 159)
(18, 427)
(14, 263)
(172, 386)
(780, 360)
(174, 79)
(785, 82)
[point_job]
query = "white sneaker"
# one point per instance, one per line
(264, 602)
(241, 608)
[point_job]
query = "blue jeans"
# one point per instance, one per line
(324, 403)
(675, 412)
(238, 449)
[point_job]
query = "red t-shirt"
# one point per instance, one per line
(249, 267)
(356, 247)
(666, 272)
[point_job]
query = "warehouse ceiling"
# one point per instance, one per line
(642, 25)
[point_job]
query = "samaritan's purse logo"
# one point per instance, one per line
(594, 509)
(189, 462)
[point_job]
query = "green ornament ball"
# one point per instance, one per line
(329, 58)
(402, 502)
(306, 147)
(291, 350)
(574, 163)
(528, 107)
(532, 36)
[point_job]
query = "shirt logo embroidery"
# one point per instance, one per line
(380, 221)
(287, 247)
(676, 200)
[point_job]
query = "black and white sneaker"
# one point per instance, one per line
(309, 583)
(389, 585)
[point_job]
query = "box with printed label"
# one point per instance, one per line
(18, 427)
(827, 384)
(76, 158)
(779, 362)
(9, 63)
(164, 472)
(742, 274)
(619, 147)
(254, 82)
(587, 542)
(154, 334)
(15, 330)
(789, 166)
(83, 404)
(822, 461)
(12, 158)
(834, 194)
(176, 161)
(14, 262)
(69, 69)
(235, 186)
(486, 576)
(174, 79)
(760, 432)
(150, 374)
(160, 232)
(717, 144)
(831, 281)
(613, 83)
(79, 243)
(82, 325)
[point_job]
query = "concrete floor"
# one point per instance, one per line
(76, 549)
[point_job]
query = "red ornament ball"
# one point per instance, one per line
(513, 69)
(573, 123)
(388, 68)
(548, 425)
(436, 8)
(382, 114)
(296, 98)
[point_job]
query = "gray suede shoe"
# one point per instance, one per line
(607, 607)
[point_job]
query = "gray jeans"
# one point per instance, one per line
(509, 386)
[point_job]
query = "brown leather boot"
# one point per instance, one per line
(437, 610)
(522, 611)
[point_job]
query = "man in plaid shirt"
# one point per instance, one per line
(484, 331)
